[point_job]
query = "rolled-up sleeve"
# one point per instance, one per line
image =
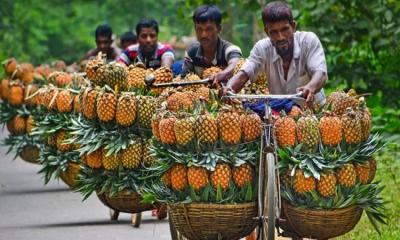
(124, 58)
(232, 52)
(254, 62)
(315, 55)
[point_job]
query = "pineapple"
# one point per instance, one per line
(285, 131)
(126, 110)
(330, 128)
(147, 107)
(49, 97)
(180, 101)
(221, 176)
(229, 126)
(136, 75)
(89, 103)
(162, 75)
(351, 128)
(10, 65)
(61, 136)
(63, 79)
(243, 175)
(365, 120)
(116, 76)
(197, 177)
(251, 126)
(363, 172)
(25, 72)
(166, 178)
(372, 169)
(285, 179)
(346, 175)
(326, 186)
(178, 177)
(184, 130)
(64, 101)
(307, 131)
(94, 159)
(295, 112)
(208, 72)
(106, 106)
(16, 94)
(148, 160)
(95, 70)
(17, 125)
(302, 184)
(190, 78)
(131, 157)
(29, 91)
(30, 124)
(202, 93)
(166, 128)
(77, 104)
(110, 162)
(4, 89)
(155, 125)
(343, 101)
(206, 129)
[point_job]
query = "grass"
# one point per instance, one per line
(388, 168)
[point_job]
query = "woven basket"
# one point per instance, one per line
(125, 202)
(30, 154)
(321, 224)
(198, 221)
(69, 177)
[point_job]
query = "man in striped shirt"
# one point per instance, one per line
(148, 50)
(210, 50)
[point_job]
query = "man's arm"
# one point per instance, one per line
(315, 85)
(224, 74)
(168, 57)
(236, 83)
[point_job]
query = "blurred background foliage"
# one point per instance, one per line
(361, 38)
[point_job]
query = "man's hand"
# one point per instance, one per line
(218, 78)
(308, 94)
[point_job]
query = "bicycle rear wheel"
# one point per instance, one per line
(271, 196)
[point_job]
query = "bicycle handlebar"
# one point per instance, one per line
(297, 96)
(150, 79)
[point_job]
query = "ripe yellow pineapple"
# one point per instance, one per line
(61, 136)
(285, 131)
(342, 101)
(89, 103)
(197, 177)
(307, 131)
(64, 101)
(211, 71)
(190, 78)
(206, 129)
(4, 90)
(155, 125)
(16, 94)
(49, 97)
(17, 125)
(31, 100)
(180, 101)
(106, 106)
(63, 79)
(330, 128)
(351, 128)
(30, 124)
(302, 184)
(126, 110)
(110, 162)
(229, 126)
(372, 169)
(25, 72)
(166, 128)
(77, 104)
(178, 177)
(147, 107)
(162, 75)
(166, 178)
(136, 76)
(95, 70)
(346, 175)
(326, 186)
(285, 179)
(295, 112)
(243, 175)
(184, 130)
(251, 125)
(116, 76)
(94, 159)
(364, 115)
(148, 160)
(10, 65)
(131, 157)
(221, 176)
(363, 172)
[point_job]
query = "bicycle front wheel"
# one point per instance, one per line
(271, 196)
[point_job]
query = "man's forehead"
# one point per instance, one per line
(148, 30)
(278, 24)
(205, 24)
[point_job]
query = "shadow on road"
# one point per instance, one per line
(34, 191)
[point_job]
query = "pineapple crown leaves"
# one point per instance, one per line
(17, 143)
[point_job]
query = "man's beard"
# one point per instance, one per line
(285, 51)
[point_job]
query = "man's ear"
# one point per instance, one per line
(266, 30)
(294, 25)
(219, 28)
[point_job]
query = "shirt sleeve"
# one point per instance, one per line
(254, 62)
(232, 52)
(315, 55)
(188, 65)
(168, 51)
(124, 58)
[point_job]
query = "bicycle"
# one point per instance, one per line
(269, 204)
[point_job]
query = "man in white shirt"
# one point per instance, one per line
(292, 60)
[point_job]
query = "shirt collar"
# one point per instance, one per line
(296, 49)
(218, 54)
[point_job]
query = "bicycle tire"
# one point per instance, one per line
(271, 195)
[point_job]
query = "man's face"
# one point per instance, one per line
(147, 39)
(281, 35)
(103, 43)
(207, 33)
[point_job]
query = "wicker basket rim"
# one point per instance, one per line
(316, 211)
(214, 205)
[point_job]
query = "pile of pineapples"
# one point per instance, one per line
(113, 128)
(326, 159)
(206, 149)
(18, 108)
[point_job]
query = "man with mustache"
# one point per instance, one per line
(210, 50)
(292, 60)
(148, 50)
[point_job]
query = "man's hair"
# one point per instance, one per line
(277, 11)
(207, 13)
(128, 37)
(146, 23)
(104, 31)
